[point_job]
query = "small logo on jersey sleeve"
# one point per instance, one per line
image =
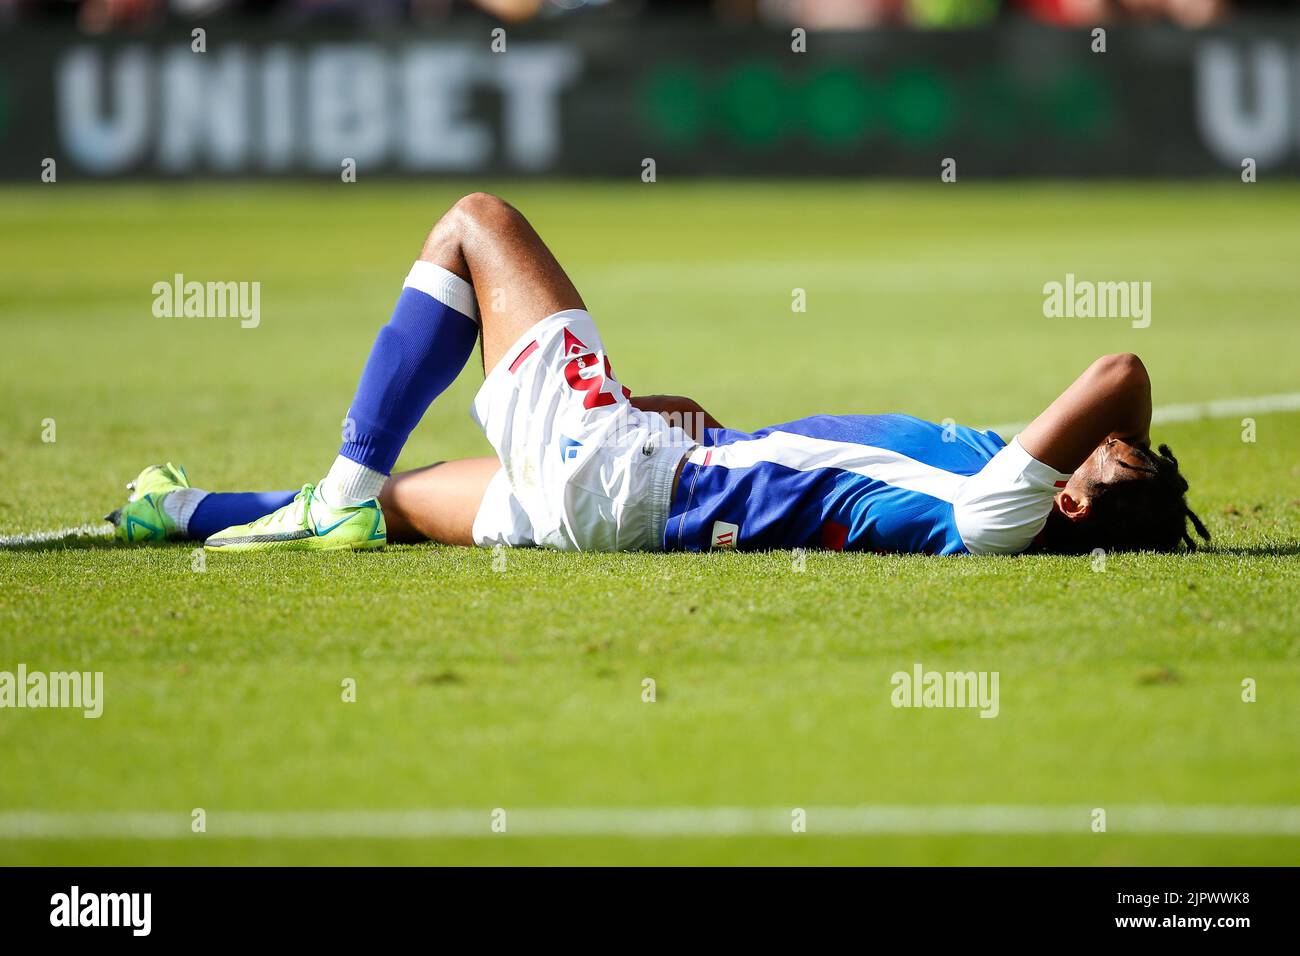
(725, 534)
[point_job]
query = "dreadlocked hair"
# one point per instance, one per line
(1147, 512)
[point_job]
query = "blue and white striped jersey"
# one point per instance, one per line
(888, 483)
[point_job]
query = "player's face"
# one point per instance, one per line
(1111, 461)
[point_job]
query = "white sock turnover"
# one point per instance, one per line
(180, 505)
(348, 484)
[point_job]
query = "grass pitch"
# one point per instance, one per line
(521, 687)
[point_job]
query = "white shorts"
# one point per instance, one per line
(581, 468)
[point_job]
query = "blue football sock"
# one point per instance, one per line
(221, 509)
(417, 355)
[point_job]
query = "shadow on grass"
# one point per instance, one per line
(1290, 549)
(90, 538)
(84, 541)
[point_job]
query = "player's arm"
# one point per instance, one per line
(1111, 399)
(679, 410)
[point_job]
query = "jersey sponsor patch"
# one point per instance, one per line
(725, 534)
(569, 448)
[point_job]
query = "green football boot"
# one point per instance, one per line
(143, 518)
(307, 524)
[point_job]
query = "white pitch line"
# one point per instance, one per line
(696, 822)
(1198, 411)
(96, 530)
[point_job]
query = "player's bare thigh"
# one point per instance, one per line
(437, 503)
(517, 280)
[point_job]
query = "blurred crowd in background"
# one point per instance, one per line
(95, 16)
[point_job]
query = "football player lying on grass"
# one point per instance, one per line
(582, 465)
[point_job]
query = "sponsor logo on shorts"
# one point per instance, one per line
(569, 448)
(725, 534)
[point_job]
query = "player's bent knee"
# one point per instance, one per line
(454, 225)
(484, 211)
(467, 214)
(480, 203)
